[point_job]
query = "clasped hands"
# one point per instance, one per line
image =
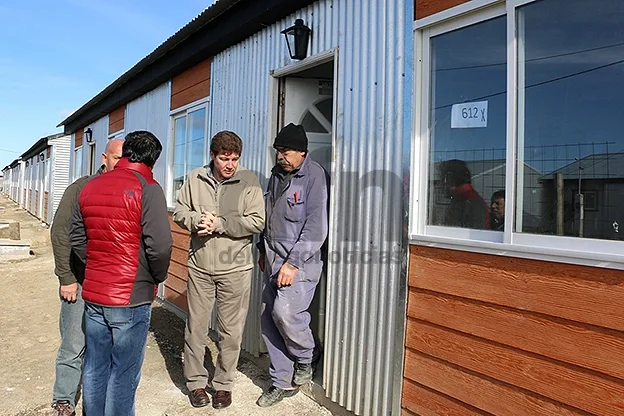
(209, 223)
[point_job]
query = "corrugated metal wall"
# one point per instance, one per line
(365, 302)
(60, 174)
(151, 112)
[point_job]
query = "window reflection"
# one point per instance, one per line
(178, 153)
(570, 142)
(467, 123)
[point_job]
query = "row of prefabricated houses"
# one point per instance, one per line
(418, 313)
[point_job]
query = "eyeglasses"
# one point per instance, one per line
(282, 150)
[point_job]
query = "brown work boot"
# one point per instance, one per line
(222, 399)
(63, 408)
(199, 398)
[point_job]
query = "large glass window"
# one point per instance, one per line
(467, 123)
(557, 128)
(570, 152)
(189, 141)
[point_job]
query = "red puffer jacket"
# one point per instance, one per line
(122, 232)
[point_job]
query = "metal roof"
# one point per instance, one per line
(218, 27)
(596, 166)
(40, 145)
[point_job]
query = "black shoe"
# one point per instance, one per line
(63, 408)
(199, 398)
(303, 374)
(274, 395)
(222, 399)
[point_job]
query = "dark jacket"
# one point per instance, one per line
(66, 266)
(467, 209)
(121, 230)
(296, 218)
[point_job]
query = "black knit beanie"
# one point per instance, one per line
(292, 137)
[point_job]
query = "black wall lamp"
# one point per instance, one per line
(88, 134)
(297, 37)
(42, 157)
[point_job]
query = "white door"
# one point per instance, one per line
(309, 102)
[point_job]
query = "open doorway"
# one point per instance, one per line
(307, 98)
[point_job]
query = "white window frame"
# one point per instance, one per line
(572, 250)
(77, 150)
(173, 115)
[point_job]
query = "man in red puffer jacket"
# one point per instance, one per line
(121, 231)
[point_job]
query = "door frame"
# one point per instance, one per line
(275, 85)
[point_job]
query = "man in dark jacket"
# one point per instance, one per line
(71, 350)
(467, 208)
(121, 231)
(295, 230)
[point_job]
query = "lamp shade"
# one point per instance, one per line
(297, 37)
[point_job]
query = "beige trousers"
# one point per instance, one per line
(231, 292)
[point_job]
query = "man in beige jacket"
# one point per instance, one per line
(222, 206)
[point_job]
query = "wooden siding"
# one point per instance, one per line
(116, 120)
(78, 135)
(175, 285)
(500, 335)
(35, 210)
(48, 152)
(424, 8)
(29, 202)
(45, 206)
(191, 85)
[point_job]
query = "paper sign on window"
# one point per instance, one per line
(469, 115)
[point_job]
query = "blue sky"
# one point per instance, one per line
(56, 55)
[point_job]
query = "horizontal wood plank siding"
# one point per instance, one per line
(424, 8)
(521, 336)
(78, 134)
(175, 285)
(191, 85)
(116, 120)
(45, 207)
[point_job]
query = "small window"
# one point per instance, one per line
(189, 145)
(77, 163)
(318, 116)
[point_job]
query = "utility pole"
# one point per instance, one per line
(581, 199)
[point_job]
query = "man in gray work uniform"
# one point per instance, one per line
(295, 230)
(72, 348)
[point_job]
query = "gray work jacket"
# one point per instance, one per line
(296, 219)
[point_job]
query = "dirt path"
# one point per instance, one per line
(29, 338)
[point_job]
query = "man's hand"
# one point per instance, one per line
(212, 221)
(286, 275)
(69, 292)
(261, 260)
(206, 226)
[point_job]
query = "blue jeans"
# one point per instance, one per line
(71, 350)
(115, 339)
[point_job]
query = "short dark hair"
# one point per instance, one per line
(500, 194)
(455, 172)
(226, 142)
(141, 147)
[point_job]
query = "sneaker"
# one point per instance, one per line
(274, 395)
(303, 374)
(63, 408)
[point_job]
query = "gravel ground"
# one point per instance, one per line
(29, 339)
